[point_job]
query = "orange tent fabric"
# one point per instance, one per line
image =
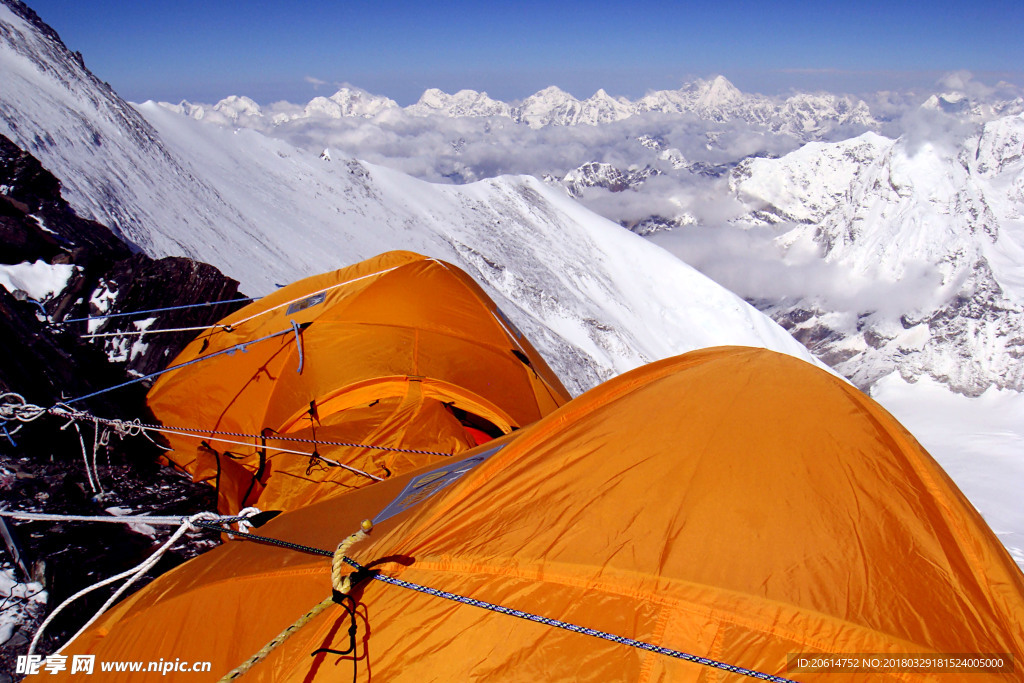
(731, 503)
(399, 351)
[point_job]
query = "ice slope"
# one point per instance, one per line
(978, 442)
(112, 165)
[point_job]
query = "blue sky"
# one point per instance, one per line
(203, 50)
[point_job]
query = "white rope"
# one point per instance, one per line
(153, 441)
(163, 520)
(85, 456)
(95, 450)
(133, 574)
(96, 335)
(244, 524)
(309, 294)
(14, 407)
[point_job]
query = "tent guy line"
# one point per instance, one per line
(231, 349)
(364, 572)
(134, 574)
(156, 310)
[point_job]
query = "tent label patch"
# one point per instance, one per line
(308, 302)
(427, 484)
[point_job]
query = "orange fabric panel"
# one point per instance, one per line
(399, 315)
(731, 503)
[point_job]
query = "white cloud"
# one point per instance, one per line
(752, 264)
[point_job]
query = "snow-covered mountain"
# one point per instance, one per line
(462, 103)
(963, 105)
(235, 110)
(555, 107)
(604, 175)
(112, 163)
(595, 299)
(933, 229)
(804, 116)
(346, 102)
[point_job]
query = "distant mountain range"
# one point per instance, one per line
(803, 115)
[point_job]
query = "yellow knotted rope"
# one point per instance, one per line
(341, 585)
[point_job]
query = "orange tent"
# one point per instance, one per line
(732, 503)
(400, 351)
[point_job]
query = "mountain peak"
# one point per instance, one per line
(552, 91)
(431, 96)
(235, 106)
(465, 102)
(718, 91)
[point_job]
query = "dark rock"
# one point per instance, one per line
(33, 200)
(53, 361)
(139, 283)
(47, 360)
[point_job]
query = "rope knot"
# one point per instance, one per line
(190, 522)
(244, 525)
(13, 406)
(125, 428)
(342, 585)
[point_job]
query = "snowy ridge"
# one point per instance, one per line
(604, 175)
(960, 104)
(555, 107)
(242, 111)
(106, 155)
(346, 102)
(462, 103)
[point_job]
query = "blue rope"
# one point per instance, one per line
(298, 343)
(657, 649)
(229, 350)
(41, 307)
(157, 310)
(696, 659)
